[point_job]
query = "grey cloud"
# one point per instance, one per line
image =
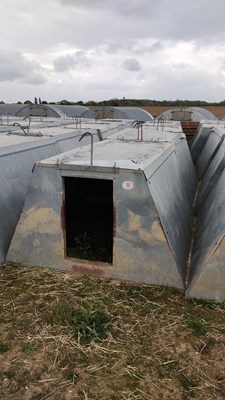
(34, 79)
(68, 62)
(92, 23)
(145, 30)
(156, 46)
(132, 64)
(125, 7)
(115, 46)
(170, 83)
(163, 19)
(181, 65)
(132, 46)
(201, 20)
(14, 66)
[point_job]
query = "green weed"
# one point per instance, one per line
(86, 324)
(82, 247)
(199, 326)
(29, 348)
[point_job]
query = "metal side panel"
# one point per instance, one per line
(199, 140)
(175, 212)
(186, 168)
(210, 232)
(211, 177)
(38, 235)
(209, 281)
(204, 159)
(15, 174)
(140, 249)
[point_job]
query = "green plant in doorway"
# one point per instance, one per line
(82, 248)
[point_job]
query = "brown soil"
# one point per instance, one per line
(63, 337)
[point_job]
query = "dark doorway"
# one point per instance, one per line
(89, 218)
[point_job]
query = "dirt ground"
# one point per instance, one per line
(64, 337)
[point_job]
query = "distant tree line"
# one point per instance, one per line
(127, 102)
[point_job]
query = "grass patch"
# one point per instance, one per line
(199, 326)
(90, 339)
(85, 323)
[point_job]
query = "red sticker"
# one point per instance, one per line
(128, 185)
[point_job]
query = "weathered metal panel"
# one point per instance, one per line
(174, 209)
(181, 115)
(140, 251)
(18, 154)
(187, 169)
(11, 109)
(133, 113)
(206, 277)
(197, 114)
(211, 177)
(39, 227)
(207, 153)
(208, 266)
(71, 111)
(150, 243)
(199, 140)
(15, 173)
(140, 246)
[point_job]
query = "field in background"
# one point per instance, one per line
(64, 337)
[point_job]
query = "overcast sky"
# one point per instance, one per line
(103, 49)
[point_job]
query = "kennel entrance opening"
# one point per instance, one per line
(89, 218)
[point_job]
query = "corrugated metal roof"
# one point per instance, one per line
(10, 108)
(133, 113)
(196, 114)
(72, 111)
(48, 110)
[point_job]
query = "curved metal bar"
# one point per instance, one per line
(78, 120)
(17, 124)
(89, 134)
(29, 122)
(162, 120)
